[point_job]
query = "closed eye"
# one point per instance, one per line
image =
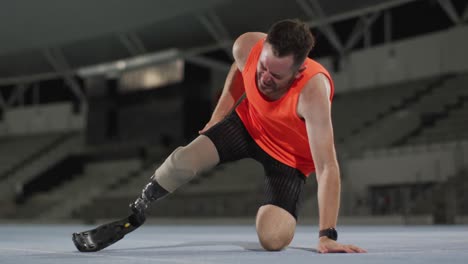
(276, 76)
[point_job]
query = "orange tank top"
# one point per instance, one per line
(275, 125)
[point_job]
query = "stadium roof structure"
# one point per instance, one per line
(51, 39)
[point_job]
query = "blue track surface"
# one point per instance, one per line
(41, 244)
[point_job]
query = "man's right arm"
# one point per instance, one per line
(232, 91)
(234, 84)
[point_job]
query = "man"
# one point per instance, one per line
(283, 121)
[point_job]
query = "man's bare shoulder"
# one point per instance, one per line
(315, 92)
(243, 45)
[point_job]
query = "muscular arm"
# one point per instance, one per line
(232, 91)
(234, 84)
(314, 107)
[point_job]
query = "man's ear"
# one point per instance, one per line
(300, 71)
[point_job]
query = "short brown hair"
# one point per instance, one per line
(291, 36)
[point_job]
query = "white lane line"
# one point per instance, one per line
(191, 261)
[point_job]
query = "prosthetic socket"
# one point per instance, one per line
(152, 192)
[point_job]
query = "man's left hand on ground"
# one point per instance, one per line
(327, 245)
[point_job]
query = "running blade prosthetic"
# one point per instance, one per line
(107, 234)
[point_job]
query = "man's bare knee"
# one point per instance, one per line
(273, 242)
(275, 227)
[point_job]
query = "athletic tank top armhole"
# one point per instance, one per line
(322, 70)
(332, 86)
(332, 90)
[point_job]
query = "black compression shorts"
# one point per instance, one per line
(283, 184)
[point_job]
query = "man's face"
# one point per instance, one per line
(274, 74)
